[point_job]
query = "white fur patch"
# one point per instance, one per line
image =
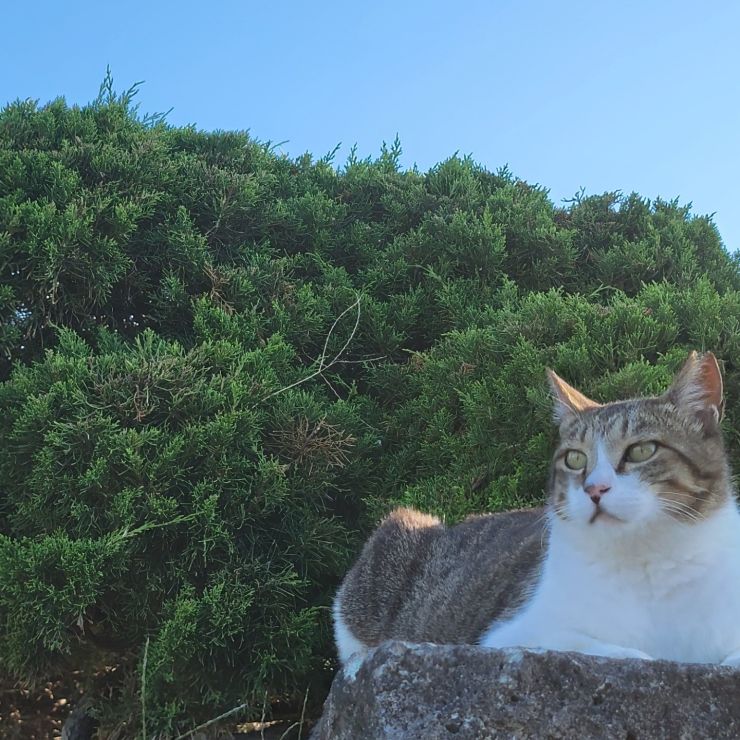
(668, 590)
(348, 646)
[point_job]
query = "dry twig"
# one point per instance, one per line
(143, 689)
(323, 365)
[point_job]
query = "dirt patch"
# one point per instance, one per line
(38, 714)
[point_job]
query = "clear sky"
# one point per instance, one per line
(624, 95)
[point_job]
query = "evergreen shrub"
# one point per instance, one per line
(220, 365)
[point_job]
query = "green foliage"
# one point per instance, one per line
(221, 365)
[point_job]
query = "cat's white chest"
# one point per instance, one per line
(675, 603)
(694, 613)
(670, 609)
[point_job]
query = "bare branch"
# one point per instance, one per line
(143, 689)
(322, 359)
(212, 721)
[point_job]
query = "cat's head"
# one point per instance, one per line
(631, 463)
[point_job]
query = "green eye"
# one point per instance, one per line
(640, 452)
(575, 459)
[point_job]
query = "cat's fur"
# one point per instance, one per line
(642, 556)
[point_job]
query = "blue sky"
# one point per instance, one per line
(627, 96)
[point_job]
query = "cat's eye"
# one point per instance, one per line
(575, 459)
(640, 452)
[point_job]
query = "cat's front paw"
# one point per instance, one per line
(617, 651)
(732, 660)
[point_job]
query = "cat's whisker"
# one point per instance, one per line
(679, 494)
(667, 497)
(681, 509)
(691, 494)
(672, 496)
(545, 514)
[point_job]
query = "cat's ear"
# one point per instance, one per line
(568, 401)
(698, 388)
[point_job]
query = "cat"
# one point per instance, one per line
(637, 554)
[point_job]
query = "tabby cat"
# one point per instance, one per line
(636, 556)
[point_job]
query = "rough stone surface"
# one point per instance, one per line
(460, 691)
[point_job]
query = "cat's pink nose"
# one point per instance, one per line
(595, 491)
